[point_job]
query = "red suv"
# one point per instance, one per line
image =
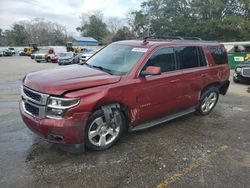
(128, 85)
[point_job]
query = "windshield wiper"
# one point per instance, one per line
(100, 68)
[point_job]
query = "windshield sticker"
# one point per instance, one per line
(143, 50)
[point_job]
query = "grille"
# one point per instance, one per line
(246, 72)
(32, 95)
(32, 109)
(39, 57)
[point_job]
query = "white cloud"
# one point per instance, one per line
(65, 12)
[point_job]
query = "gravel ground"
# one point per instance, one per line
(192, 151)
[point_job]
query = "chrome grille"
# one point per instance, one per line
(32, 109)
(34, 103)
(38, 57)
(246, 72)
(32, 95)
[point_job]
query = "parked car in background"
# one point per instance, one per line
(6, 52)
(12, 50)
(21, 53)
(44, 54)
(54, 58)
(32, 56)
(242, 72)
(131, 85)
(86, 55)
(67, 58)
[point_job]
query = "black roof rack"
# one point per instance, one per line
(171, 38)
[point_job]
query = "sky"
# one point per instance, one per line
(64, 12)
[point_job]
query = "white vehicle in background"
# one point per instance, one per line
(86, 55)
(12, 50)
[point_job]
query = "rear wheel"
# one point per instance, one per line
(208, 100)
(99, 135)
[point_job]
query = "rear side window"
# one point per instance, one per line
(219, 54)
(190, 57)
(163, 58)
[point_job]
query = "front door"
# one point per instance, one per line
(159, 95)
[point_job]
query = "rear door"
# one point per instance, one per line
(192, 62)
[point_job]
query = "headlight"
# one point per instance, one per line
(57, 107)
(238, 69)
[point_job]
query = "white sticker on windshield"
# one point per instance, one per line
(143, 50)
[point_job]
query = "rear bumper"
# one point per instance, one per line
(61, 131)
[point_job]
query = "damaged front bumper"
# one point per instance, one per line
(68, 131)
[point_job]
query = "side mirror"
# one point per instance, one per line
(151, 71)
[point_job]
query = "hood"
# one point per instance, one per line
(40, 54)
(59, 80)
(245, 64)
(65, 58)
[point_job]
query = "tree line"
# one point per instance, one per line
(39, 31)
(223, 20)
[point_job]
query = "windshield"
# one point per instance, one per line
(43, 51)
(117, 59)
(11, 48)
(65, 54)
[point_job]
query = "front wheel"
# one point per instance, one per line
(99, 135)
(208, 100)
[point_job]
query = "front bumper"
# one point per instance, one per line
(69, 130)
(240, 78)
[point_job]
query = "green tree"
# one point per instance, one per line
(123, 34)
(94, 27)
(19, 35)
(225, 20)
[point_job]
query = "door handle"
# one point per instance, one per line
(173, 81)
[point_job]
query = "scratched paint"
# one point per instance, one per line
(191, 167)
(134, 113)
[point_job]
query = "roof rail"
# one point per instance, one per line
(192, 38)
(163, 38)
(171, 38)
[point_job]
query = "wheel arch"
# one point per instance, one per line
(222, 87)
(116, 105)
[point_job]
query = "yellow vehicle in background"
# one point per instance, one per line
(30, 49)
(70, 48)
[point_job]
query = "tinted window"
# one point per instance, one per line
(187, 57)
(219, 54)
(163, 58)
(202, 58)
(190, 57)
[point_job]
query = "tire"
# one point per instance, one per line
(38, 61)
(97, 125)
(48, 60)
(208, 101)
(235, 80)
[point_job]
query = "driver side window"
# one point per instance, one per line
(163, 58)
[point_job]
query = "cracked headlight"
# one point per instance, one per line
(57, 107)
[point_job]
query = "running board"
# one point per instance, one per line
(164, 119)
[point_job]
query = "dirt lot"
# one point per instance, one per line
(192, 151)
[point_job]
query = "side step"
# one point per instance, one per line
(160, 120)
